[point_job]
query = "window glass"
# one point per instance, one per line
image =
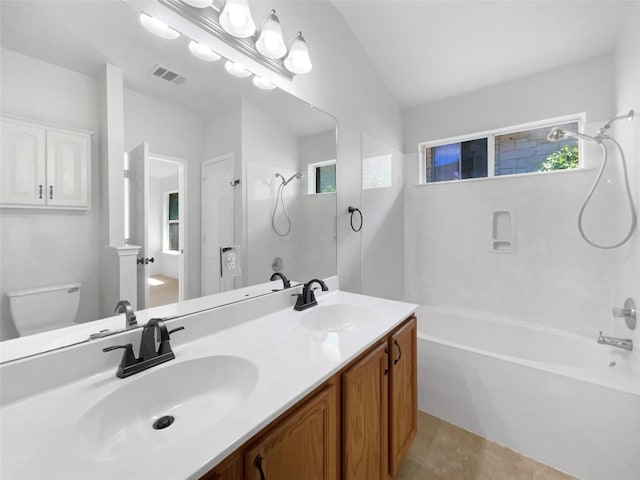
(174, 236)
(326, 178)
(530, 151)
(173, 206)
(456, 160)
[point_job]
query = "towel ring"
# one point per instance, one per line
(353, 210)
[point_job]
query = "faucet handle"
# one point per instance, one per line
(128, 358)
(175, 330)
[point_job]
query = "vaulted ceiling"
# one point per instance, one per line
(428, 50)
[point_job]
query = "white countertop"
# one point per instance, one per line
(41, 437)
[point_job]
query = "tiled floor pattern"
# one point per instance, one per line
(442, 451)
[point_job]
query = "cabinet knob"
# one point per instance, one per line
(258, 464)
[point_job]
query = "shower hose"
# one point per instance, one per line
(280, 199)
(593, 188)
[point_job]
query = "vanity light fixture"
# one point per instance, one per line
(262, 83)
(158, 27)
(298, 60)
(270, 42)
(202, 52)
(198, 3)
(236, 69)
(236, 19)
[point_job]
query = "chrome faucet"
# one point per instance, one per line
(130, 317)
(624, 343)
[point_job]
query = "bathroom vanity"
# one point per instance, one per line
(257, 390)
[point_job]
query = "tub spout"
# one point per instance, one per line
(624, 343)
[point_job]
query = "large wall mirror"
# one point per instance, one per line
(210, 158)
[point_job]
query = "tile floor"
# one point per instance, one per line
(442, 451)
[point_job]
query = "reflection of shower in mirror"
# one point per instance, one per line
(280, 200)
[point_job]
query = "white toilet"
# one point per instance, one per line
(40, 309)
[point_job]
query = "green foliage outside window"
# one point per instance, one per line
(563, 159)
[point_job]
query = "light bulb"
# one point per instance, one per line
(270, 42)
(237, 17)
(262, 83)
(236, 69)
(202, 52)
(236, 20)
(298, 60)
(158, 28)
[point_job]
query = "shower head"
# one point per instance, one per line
(297, 175)
(558, 134)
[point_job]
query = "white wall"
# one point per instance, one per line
(345, 84)
(554, 278)
(167, 264)
(316, 219)
(41, 247)
(627, 91)
(176, 132)
(383, 227)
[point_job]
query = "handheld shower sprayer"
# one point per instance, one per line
(558, 134)
(280, 200)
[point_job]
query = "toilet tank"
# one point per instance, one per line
(39, 309)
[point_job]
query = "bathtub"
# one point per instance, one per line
(554, 396)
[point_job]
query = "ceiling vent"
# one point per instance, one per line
(166, 74)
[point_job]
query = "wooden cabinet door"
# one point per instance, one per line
(67, 169)
(229, 469)
(303, 446)
(365, 417)
(22, 164)
(403, 393)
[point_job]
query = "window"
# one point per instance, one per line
(172, 222)
(322, 177)
(509, 151)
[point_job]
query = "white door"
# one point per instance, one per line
(22, 164)
(218, 213)
(67, 169)
(138, 216)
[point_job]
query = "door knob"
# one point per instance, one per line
(145, 261)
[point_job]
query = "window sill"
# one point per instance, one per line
(321, 193)
(171, 252)
(503, 177)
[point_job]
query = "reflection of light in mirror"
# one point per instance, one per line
(236, 69)
(263, 84)
(376, 171)
(154, 282)
(202, 52)
(158, 28)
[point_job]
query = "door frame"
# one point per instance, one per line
(183, 264)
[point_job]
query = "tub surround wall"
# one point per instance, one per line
(66, 99)
(554, 277)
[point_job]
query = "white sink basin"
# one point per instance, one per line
(340, 318)
(196, 393)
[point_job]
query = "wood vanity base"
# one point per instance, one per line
(358, 425)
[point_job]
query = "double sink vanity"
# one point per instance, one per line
(257, 390)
